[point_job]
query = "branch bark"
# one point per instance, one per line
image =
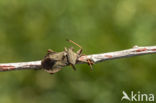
(135, 51)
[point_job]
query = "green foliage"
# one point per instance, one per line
(29, 27)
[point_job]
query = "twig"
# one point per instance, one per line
(135, 51)
(20, 66)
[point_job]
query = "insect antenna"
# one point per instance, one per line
(74, 43)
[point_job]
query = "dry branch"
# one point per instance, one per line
(135, 51)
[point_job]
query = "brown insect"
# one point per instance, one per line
(55, 61)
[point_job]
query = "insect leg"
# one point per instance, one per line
(73, 66)
(79, 51)
(65, 49)
(50, 51)
(90, 63)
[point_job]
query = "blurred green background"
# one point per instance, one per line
(29, 27)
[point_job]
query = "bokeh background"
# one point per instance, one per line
(29, 27)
